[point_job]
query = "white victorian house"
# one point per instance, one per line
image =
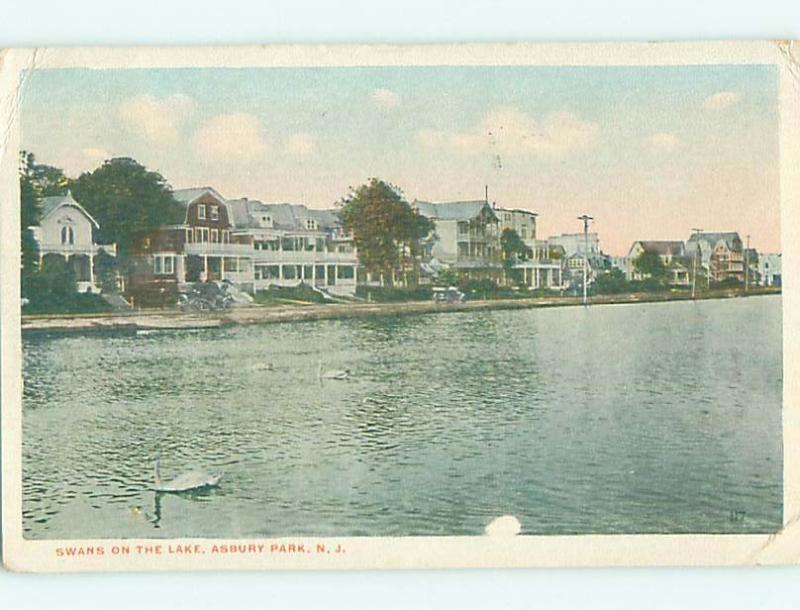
(66, 230)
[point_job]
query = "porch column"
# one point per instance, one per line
(205, 269)
(91, 271)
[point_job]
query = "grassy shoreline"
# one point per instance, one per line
(174, 319)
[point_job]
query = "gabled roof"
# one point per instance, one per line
(287, 216)
(517, 211)
(662, 248)
(187, 196)
(51, 204)
(452, 210)
(714, 238)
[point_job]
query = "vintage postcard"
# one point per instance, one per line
(333, 307)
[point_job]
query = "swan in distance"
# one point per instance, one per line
(507, 525)
(195, 479)
(333, 374)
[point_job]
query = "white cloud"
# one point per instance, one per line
(385, 98)
(231, 137)
(507, 130)
(430, 138)
(721, 100)
(300, 144)
(157, 119)
(664, 142)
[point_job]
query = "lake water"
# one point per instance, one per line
(651, 418)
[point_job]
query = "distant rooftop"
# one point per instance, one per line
(674, 248)
(186, 196)
(51, 204)
(451, 210)
(246, 214)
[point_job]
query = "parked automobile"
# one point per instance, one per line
(448, 295)
(206, 296)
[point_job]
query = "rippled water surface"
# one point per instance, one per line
(612, 419)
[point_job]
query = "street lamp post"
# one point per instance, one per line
(694, 265)
(586, 219)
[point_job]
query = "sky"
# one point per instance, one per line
(649, 152)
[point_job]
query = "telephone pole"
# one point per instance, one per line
(586, 219)
(694, 265)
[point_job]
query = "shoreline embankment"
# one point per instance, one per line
(149, 320)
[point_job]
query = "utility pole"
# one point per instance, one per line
(747, 266)
(586, 219)
(694, 265)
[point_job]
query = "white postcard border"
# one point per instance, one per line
(406, 552)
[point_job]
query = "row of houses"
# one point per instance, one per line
(256, 245)
(714, 257)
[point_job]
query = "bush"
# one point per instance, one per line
(648, 285)
(731, 282)
(302, 292)
(399, 294)
(77, 302)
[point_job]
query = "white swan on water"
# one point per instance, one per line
(507, 525)
(196, 479)
(333, 374)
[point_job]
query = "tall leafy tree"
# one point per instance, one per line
(29, 215)
(386, 229)
(127, 200)
(513, 250)
(649, 264)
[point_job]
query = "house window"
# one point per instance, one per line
(202, 235)
(163, 265)
(188, 236)
(214, 210)
(67, 235)
(289, 272)
(214, 236)
(201, 211)
(268, 272)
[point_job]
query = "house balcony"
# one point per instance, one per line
(477, 262)
(67, 250)
(207, 248)
(302, 257)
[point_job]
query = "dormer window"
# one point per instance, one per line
(265, 220)
(311, 224)
(201, 211)
(214, 212)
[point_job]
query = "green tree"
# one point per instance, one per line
(53, 287)
(127, 200)
(649, 264)
(513, 250)
(447, 277)
(612, 282)
(29, 216)
(386, 229)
